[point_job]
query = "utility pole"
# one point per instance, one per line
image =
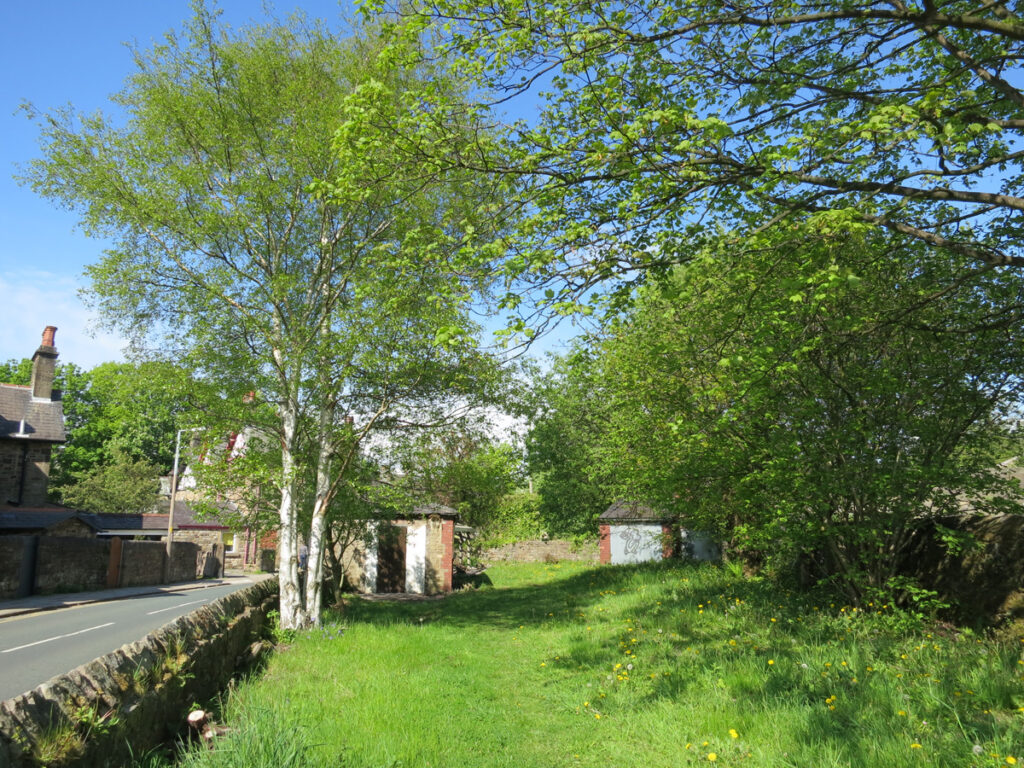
(174, 493)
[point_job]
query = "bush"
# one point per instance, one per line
(517, 517)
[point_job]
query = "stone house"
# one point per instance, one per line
(31, 424)
(412, 554)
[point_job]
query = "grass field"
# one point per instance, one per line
(657, 665)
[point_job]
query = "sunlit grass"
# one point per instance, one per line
(659, 665)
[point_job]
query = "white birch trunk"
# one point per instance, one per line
(288, 536)
(314, 572)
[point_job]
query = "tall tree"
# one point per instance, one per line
(664, 120)
(818, 403)
(460, 466)
(568, 425)
(131, 410)
(246, 248)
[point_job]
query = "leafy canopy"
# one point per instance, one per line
(666, 123)
(312, 278)
(818, 403)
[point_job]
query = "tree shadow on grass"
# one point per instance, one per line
(664, 598)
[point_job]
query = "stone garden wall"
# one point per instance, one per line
(985, 581)
(75, 564)
(110, 711)
(538, 551)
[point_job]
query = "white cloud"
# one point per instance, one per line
(32, 300)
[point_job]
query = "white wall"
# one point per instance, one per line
(416, 558)
(635, 543)
(370, 561)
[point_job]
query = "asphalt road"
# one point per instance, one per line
(37, 646)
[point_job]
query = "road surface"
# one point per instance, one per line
(35, 647)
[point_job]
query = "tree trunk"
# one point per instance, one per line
(292, 616)
(314, 573)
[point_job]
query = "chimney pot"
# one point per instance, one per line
(48, 333)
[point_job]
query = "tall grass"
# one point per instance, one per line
(655, 665)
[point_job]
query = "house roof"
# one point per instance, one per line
(187, 517)
(39, 518)
(632, 512)
(426, 510)
(44, 419)
(109, 522)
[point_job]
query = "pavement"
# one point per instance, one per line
(37, 603)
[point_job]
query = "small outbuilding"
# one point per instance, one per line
(631, 532)
(412, 554)
(634, 533)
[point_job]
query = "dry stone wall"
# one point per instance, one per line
(142, 691)
(538, 551)
(985, 582)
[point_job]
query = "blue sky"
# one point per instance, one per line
(62, 52)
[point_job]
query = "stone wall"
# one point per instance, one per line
(185, 561)
(71, 527)
(146, 687)
(37, 471)
(72, 564)
(541, 552)
(142, 563)
(12, 550)
(984, 584)
(212, 557)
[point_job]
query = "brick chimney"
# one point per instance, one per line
(44, 366)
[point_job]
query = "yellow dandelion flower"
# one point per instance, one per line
(771, 662)
(733, 734)
(712, 756)
(597, 715)
(902, 713)
(915, 745)
(1011, 760)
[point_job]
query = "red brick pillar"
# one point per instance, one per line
(666, 539)
(606, 543)
(447, 563)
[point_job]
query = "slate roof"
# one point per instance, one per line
(426, 510)
(186, 517)
(109, 522)
(34, 519)
(44, 419)
(632, 512)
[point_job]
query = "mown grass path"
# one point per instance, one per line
(658, 665)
